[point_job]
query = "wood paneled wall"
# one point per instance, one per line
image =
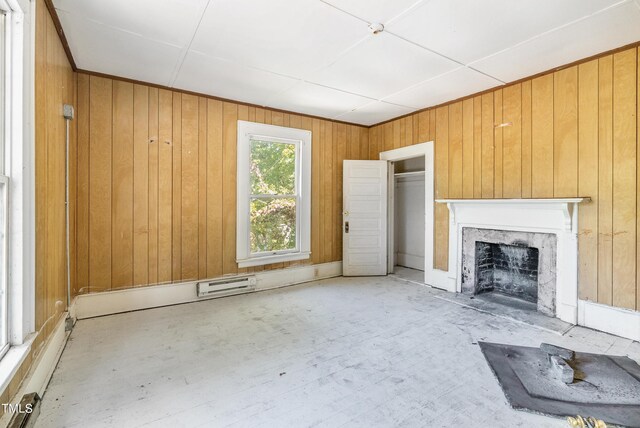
(54, 86)
(573, 132)
(156, 179)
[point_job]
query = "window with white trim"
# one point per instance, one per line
(274, 194)
(4, 188)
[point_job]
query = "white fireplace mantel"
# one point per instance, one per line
(564, 205)
(558, 216)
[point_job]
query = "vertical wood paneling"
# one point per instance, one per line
(588, 180)
(605, 180)
(154, 146)
(340, 155)
(488, 158)
(542, 137)
(202, 186)
(624, 179)
(408, 132)
(140, 185)
(388, 136)
(214, 187)
(468, 148)
(441, 213)
(82, 222)
(497, 144)
(165, 185)
(190, 203)
(512, 142)
(55, 84)
(364, 143)
(477, 147)
(329, 230)
(423, 127)
(122, 187)
(565, 133)
(373, 143)
(176, 212)
(526, 139)
(455, 150)
(230, 117)
(314, 126)
(319, 140)
(100, 111)
(638, 184)
(397, 133)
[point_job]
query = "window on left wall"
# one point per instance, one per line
(274, 194)
(4, 184)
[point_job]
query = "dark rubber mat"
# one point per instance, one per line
(605, 387)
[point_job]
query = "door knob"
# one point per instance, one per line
(346, 227)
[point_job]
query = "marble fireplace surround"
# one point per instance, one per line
(544, 242)
(558, 216)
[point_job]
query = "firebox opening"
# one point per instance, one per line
(507, 269)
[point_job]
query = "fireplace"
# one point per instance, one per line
(548, 225)
(507, 269)
(515, 263)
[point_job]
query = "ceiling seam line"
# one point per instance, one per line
(183, 55)
(568, 24)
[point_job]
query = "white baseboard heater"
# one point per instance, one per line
(226, 286)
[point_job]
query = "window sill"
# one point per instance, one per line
(265, 260)
(11, 361)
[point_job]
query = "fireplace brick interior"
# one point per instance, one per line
(507, 269)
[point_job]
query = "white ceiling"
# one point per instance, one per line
(318, 56)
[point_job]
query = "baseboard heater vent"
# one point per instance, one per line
(226, 286)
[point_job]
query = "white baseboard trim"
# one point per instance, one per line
(133, 299)
(42, 368)
(440, 279)
(621, 322)
(410, 261)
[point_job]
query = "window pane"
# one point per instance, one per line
(273, 168)
(272, 224)
(3, 273)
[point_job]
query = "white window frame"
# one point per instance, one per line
(4, 181)
(302, 139)
(18, 182)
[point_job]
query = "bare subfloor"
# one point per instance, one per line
(342, 352)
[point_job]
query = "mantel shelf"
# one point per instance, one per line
(516, 201)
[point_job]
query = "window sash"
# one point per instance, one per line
(276, 252)
(4, 187)
(296, 195)
(4, 228)
(252, 131)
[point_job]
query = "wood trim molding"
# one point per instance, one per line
(63, 38)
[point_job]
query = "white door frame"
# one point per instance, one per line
(433, 277)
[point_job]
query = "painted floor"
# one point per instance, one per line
(352, 352)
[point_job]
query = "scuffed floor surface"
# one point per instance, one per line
(359, 352)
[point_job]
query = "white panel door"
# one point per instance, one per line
(364, 218)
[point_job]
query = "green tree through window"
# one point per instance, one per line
(272, 204)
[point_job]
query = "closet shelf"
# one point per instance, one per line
(408, 174)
